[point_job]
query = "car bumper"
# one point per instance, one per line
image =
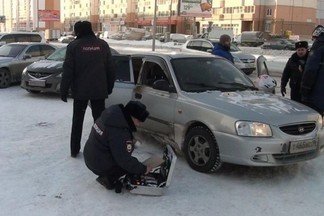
(51, 84)
(272, 151)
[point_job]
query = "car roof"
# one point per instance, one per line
(29, 43)
(174, 54)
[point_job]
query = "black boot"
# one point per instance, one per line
(104, 181)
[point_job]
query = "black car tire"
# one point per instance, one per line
(201, 150)
(34, 91)
(5, 78)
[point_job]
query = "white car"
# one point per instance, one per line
(210, 110)
(245, 62)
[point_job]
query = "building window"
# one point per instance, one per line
(269, 12)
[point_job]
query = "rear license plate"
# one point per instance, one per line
(38, 83)
(303, 146)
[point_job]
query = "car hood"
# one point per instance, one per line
(255, 106)
(242, 55)
(5, 59)
(47, 66)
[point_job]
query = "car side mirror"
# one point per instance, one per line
(27, 56)
(162, 85)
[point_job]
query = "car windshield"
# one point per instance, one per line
(58, 55)
(11, 50)
(203, 74)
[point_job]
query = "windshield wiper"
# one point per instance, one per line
(239, 85)
(205, 86)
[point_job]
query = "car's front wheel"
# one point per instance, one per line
(201, 150)
(34, 91)
(4, 78)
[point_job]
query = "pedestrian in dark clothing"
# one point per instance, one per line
(108, 151)
(293, 71)
(312, 86)
(88, 71)
(223, 48)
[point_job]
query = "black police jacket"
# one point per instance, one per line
(293, 73)
(111, 143)
(88, 69)
(312, 87)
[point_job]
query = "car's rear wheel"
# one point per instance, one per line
(201, 150)
(4, 78)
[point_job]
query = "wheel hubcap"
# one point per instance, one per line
(4, 79)
(199, 150)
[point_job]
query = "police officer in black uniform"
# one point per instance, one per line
(88, 71)
(108, 151)
(293, 71)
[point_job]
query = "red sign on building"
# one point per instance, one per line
(49, 15)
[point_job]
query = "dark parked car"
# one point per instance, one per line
(15, 57)
(279, 44)
(46, 75)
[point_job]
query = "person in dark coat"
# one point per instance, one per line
(293, 71)
(223, 48)
(312, 85)
(108, 151)
(88, 71)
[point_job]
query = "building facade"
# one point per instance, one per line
(320, 12)
(22, 15)
(278, 17)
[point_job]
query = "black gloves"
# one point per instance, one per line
(283, 91)
(64, 97)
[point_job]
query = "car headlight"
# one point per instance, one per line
(24, 71)
(59, 75)
(253, 129)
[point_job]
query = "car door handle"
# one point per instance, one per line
(138, 96)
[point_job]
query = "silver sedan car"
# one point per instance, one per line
(212, 112)
(14, 57)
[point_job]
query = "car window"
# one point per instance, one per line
(58, 55)
(122, 68)
(47, 50)
(35, 38)
(34, 51)
(11, 50)
(205, 46)
(22, 37)
(202, 74)
(8, 38)
(151, 73)
(234, 48)
(196, 45)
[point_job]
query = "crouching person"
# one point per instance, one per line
(108, 151)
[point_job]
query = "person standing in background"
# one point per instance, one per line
(312, 85)
(88, 71)
(223, 48)
(293, 71)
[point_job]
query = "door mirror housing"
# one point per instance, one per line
(27, 56)
(162, 85)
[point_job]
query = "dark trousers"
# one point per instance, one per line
(311, 105)
(114, 174)
(295, 95)
(79, 108)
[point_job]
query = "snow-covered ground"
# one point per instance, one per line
(38, 176)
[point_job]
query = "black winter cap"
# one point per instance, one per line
(301, 44)
(137, 110)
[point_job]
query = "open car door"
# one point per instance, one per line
(125, 82)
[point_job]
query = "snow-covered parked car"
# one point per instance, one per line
(206, 107)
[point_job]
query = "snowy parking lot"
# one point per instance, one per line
(38, 176)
